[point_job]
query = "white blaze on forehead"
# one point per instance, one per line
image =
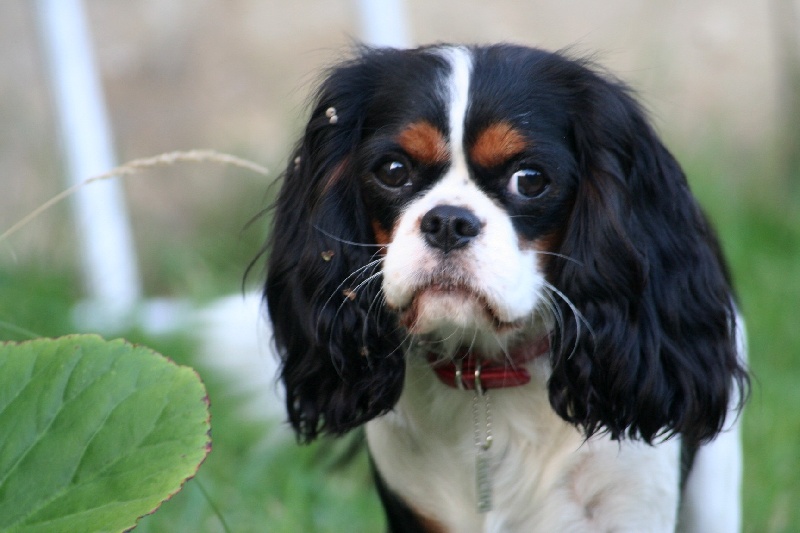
(457, 97)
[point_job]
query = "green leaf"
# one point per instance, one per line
(94, 434)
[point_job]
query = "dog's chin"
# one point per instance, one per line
(446, 308)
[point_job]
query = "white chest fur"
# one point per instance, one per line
(545, 477)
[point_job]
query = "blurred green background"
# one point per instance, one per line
(720, 80)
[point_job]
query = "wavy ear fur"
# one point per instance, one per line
(654, 351)
(320, 289)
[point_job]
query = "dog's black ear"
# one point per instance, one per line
(341, 362)
(652, 349)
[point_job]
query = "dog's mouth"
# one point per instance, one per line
(445, 305)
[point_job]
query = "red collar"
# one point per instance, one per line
(469, 371)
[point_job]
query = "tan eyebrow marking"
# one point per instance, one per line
(497, 144)
(382, 237)
(424, 142)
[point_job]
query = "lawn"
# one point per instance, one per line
(257, 479)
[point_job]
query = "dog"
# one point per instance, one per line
(486, 256)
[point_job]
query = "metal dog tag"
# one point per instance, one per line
(483, 479)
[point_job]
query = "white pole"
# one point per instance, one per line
(108, 255)
(384, 23)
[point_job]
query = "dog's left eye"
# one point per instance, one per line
(528, 183)
(393, 173)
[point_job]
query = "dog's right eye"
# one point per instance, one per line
(394, 173)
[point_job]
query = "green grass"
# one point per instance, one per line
(256, 481)
(771, 301)
(760, 233)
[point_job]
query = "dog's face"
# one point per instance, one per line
(467, 197)
(480, 197)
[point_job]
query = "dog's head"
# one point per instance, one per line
(480, 198)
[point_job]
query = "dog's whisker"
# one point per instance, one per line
(472, 342)
(554, 311)
(370, 279)
(504, 350)
(579, 318)
(351, 294)
(562, 256)
(557, 313)
(345, 241)
(359, 271)
(375, 299)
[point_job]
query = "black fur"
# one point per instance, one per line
(653, 353)
(342, 362)
(657, 354)
(399, 516)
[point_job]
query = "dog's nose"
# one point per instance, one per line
(448, 227)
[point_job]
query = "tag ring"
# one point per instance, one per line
(459, 378)
(478, 384)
